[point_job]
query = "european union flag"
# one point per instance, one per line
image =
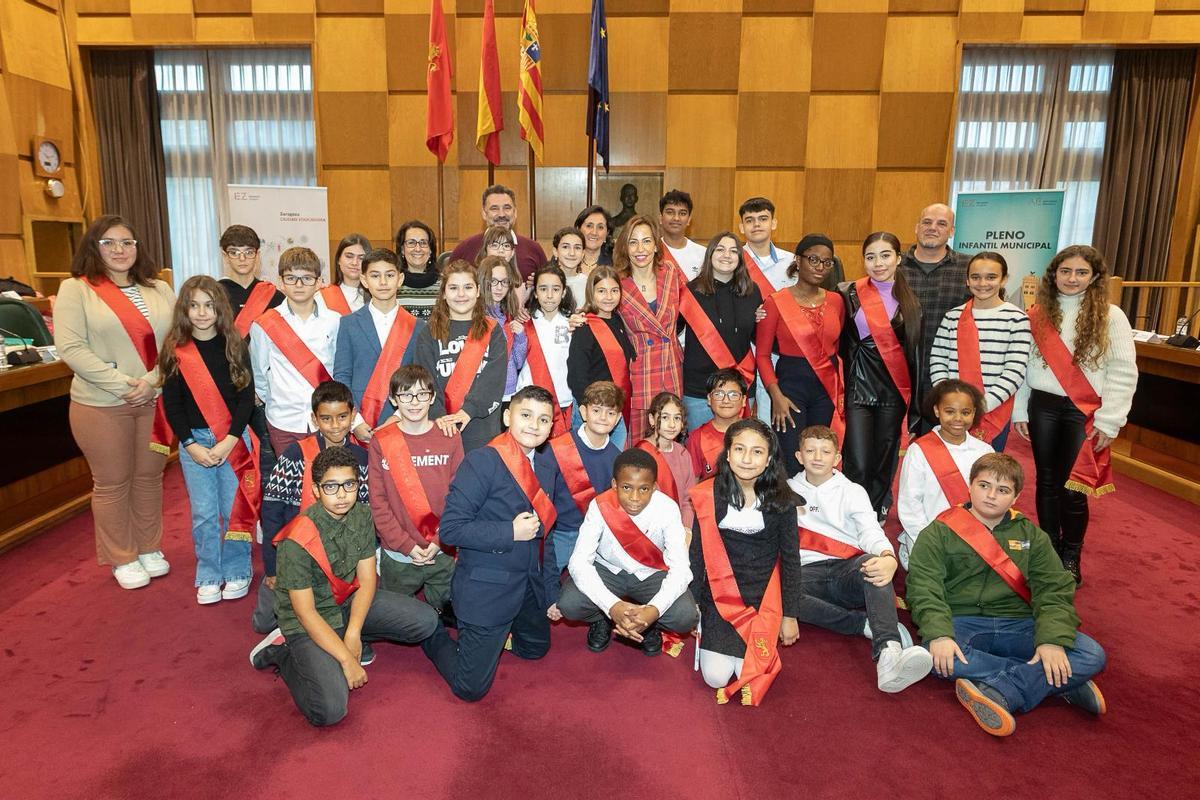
(597, 118)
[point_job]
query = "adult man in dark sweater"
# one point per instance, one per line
(500, 208)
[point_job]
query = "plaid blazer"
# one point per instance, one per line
(659, 363)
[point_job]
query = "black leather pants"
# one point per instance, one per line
(1056, 431)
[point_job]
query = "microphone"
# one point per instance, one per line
(22, 358)
(1181, 337)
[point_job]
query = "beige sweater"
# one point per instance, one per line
(93, 343)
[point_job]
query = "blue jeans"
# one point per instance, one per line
(618, 435)
(211, 491)
(698, 411)
(997, 650)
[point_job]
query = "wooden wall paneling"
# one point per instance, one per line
(225, 8)
(561, 194)
(899, 197)
(35, 201)
(353, 127)
(565, 40)
(566, 142)
(778, 7)
(630, 8)
(33, 44)
(1055, 6)
(914, 128)
(1183, 28)
(1119, 20)
(853, 6)
(847, 52)
(712, 195)
(224, 30)
(1052, 28)
(706, 6)
(408, 50)
(843, 130)
(349, 7)
(107, 6)
(513, 149)
(850, 253)
(638, 129)
(414, 196)
(163, 21)
(12, 259)
(837, 202)
(104, 30)
(406, 133)
(775, 54)
(359, 205)
(637, 53)
(702, 130)
(503, 8)
(566, 7)
(285, 21)
(10, 201)
(40, 109)
(350, 55)
(718, 38)
(990, 20)
(921, 54)
(772, 129)
(923, 7)
(784, 188)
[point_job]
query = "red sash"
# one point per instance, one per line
(820, 543)
(970, 369)
(809, 340)
(949, 476)
(539, 372)
(666, 479)
(141, 334)
(335, 300)
(293, 347)
(389, 359)
(566, 452)
(309, 448)
(260, 297)
(303, 531)
(758, 628)
(706, 332)
(246, 502)
(522, 471)
(885, 337)
(712, 443)
(1092, 472)
(614, 356)
(466, 367)
(765, 287)
(394, 448)
(980, 539)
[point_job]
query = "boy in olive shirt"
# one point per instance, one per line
(325, 596)
(996, 608)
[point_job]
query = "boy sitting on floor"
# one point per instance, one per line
(632, 547)
(996, 608)
(849, 563)
(325, 596)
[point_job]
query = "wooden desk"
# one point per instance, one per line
(1160, 445)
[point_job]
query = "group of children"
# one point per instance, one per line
(476, 488)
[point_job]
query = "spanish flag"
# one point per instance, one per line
(490, 120)
(529, 96)
(439, 118)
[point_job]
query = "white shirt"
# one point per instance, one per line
(384, 320)
(598, 548)
(286, 394)
(583, 437)
(920, 497)
(744, 520)
(774, 266)
(555, 338)
(840, 509)
(690, 257)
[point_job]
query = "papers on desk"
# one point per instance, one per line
(1150, 337)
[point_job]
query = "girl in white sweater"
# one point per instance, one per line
(1077, 392)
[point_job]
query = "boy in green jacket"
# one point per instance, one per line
(996, 608)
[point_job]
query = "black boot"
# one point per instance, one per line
(599, 635)
(1071, 556)
(652, 641)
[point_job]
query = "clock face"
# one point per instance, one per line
(48, 157)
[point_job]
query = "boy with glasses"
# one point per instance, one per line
(248, 295)
(727, 401)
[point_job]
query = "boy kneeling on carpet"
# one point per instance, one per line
(630, 565)
(996, 608)
(325, 596)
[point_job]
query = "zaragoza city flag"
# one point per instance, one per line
(529, 96)
(490, 120)
(439, 118)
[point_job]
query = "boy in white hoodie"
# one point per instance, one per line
(848, 563)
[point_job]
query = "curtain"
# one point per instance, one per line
(132, 173)
(229, 116)
(1034, 119)
(1148, 115)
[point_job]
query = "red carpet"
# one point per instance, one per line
(111, 694)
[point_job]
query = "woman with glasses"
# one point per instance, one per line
(803, 326)
(417, 247)
(346, 293)
(109, 320)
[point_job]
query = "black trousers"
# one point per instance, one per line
(681, 617)
(1056, 432)
(871, 448)
(835, 595)
(469, 665)
(800, 384)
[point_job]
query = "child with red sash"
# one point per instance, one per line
(676, 472)
(465, 352)
(411, 465)
(586, 454)
(745, 565)
(1077, 393)
(879, 348)
(286, 491)
(328, 605)
(726, 402)
(346, 293)
(996, 608)
(600, 348)
(504, 503)
(936, 465)
(796, 348)
(248, 296)
(502, 289)
(548, 333)
(208, 397)
(985, 342)
(849, 564)
(630, 567)
(717, 314)
(374, 340)
(292, 349)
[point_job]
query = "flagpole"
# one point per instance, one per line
(591, 167)
(441, 189)
(491, 174)
(532, 195)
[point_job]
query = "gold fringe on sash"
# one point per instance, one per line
(1099, 491)
(746, 699)
(674, 650)
(237, 536)
(722, 697)
(161, 449)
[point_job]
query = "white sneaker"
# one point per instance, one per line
(898, 668)
(235, 589)
(906, 639)
(155, 565)
(132, 575)
(208, 593)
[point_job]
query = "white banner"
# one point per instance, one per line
(283, 217)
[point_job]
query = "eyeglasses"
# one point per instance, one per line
(420, 397)
(498, 282)
(330, 488)
(721, 394)
(113, 244)
(827, 263)
(242, 254)
(292, 280)
(502, 246)
(416, 244)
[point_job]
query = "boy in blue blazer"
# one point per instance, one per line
(504, 502)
